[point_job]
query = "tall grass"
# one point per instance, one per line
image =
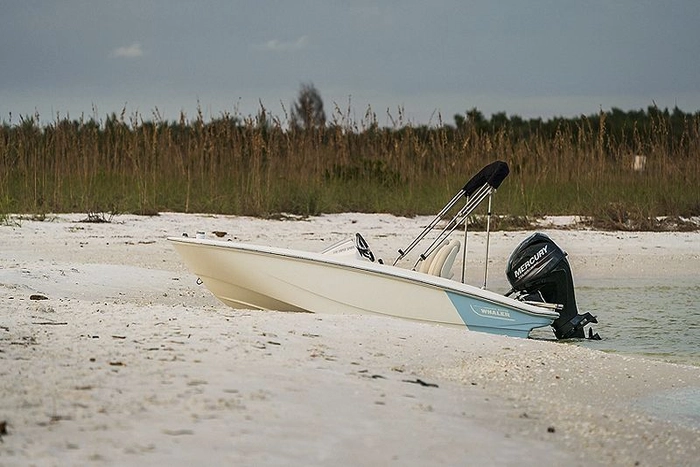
(257, 166)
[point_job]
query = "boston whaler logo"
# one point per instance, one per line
(530, 262)
(492, 313)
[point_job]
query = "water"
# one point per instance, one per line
(682, 406)
(658, 319)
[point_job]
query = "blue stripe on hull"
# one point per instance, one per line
(480, 315)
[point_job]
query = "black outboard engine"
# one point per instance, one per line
(539, 271)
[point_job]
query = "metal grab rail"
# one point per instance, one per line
(458, 219)
(433, 223)
(476, 190)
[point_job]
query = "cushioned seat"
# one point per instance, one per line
(440, 261)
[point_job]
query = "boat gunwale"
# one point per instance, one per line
(377, 269)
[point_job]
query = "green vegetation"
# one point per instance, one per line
(262, 165)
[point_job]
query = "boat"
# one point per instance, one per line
(347, 278)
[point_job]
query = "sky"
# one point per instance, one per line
(409, 61)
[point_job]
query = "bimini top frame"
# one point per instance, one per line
(476, 190)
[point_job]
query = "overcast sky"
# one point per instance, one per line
(439, 57)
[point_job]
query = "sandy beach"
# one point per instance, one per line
(111, 354)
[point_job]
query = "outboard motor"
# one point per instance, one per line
(539, 271)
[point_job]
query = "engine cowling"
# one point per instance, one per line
(538, 270)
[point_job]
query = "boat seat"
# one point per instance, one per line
(440, 261)
(425, 264)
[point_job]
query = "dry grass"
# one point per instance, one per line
(255, 166)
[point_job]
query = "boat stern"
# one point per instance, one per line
(495, 318)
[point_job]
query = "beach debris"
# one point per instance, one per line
(219, 233)
(421, 382)
(284, 216)
(46, 309)
(54, 419)
(25, 341)
(177, 432)
(99, 217)
(140, 242)
(38, 297)
(197, 382)
(3, 428)
(551, 429)
(51, 323)
(365, 373)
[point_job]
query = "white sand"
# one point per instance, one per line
(129, 362)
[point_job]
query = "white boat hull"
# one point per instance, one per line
(268, 278)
